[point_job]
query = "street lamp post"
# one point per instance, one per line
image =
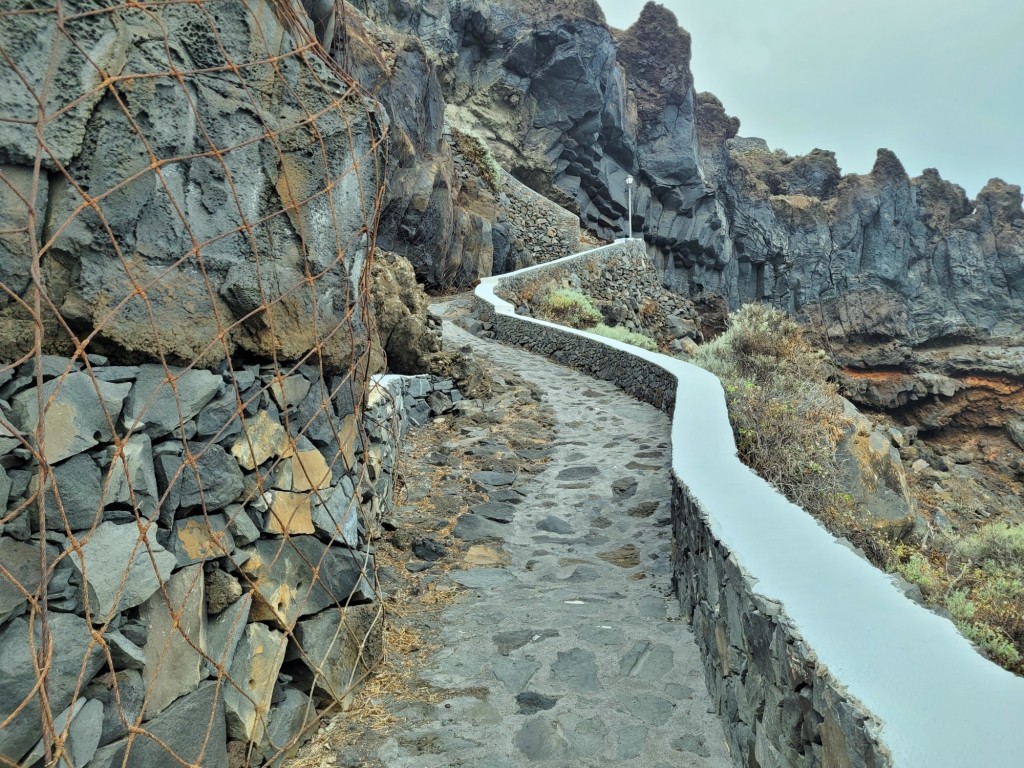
(629, 195)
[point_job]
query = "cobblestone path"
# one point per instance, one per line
(573, 654)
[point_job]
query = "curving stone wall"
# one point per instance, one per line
(813, 656)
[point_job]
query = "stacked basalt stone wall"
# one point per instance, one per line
(546, 230)
(209, 579)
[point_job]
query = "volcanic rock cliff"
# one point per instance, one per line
(916, 289)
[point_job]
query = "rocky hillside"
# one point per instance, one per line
(916, 288)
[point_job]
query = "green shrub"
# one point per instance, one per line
(570, 308)
(786, 416)
(917, 570)
(1000, 543)
(626, 337)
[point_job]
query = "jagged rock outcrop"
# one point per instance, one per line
(889, 268)
(451, 234)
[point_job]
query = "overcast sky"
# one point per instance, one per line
(941, 83)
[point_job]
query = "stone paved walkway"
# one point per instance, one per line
(575, 653)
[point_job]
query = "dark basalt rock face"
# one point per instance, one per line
(889, 269)
(132, 189)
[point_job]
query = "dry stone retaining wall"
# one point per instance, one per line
(813, 656)
(222, 551)
(544, 229)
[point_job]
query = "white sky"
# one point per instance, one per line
(939, 82)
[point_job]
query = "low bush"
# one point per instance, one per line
(786, 416)
(626, 337)
(568, 307)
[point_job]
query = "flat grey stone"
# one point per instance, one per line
(493, 479)
(554, 524)
(83, 735)
(653, 710)
(123, 652)
(79, 484)
(216, 481)
(340, 647)
(284, 586)
(80, 415)
(254, 669)
(125, 687)
(473, 528)
(73, 659)
(241, 527)
(288, 721)
(336, 513)
(530, 702)
(647, 661)
(513, 673)
(506, 496)
(176, 617)
(539, 741)
(679, 692)
(224, 632)
(577, 473)
(631, 742)
(157, 408)
(497, 511)
(506, 642)
(183, 728)
(289, 392)
(132, 479)
(624, 488)
(652, 607)
(484, 578)
(691, 743)
(577, 669)
(22, 561)
(219, 418)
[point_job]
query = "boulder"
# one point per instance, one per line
(223, 634)
(200, 538)
(78, 413)
(176, 639)
(290, 722)
(81, 726)
(121, 567)
(340, 647)
(122, 696)
(872, 472)
(190, 731)
(126, 272)
(257, 661)
(21, 560)
(73, 494)
(284, 587)
(163, 399)
(74, 662)
(131, 478)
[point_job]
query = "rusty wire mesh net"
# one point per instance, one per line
(193, 457)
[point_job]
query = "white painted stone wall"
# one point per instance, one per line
(814, 656)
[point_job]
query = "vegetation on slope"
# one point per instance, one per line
(576, 310)
(788, 418)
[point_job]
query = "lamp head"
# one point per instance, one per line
(629, 181)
